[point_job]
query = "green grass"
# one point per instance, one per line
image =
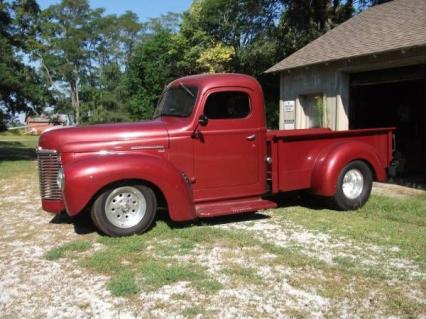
(123, 284)
(244, 274)
(15, 132)
(150, 261)
(193, 311)
(386, 221)
(146, 263)
(154, 268)
(17, 155)
(156, 274)
(151, 258)
(65, 249)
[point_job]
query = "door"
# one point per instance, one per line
(226, 150)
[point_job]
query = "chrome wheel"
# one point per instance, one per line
(353, 183)
(125, 207)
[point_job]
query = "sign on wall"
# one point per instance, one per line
(289, 106)
(289, 115)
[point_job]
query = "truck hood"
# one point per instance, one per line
(106, 137)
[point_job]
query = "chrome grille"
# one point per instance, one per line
(48, 167)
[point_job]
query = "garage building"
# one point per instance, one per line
(370, 71)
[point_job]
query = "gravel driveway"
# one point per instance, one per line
(32, 286)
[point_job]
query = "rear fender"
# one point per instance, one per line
(331, 162)
(86, 177)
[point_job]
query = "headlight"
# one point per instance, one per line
(60, 179)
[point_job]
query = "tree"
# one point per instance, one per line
(215, 59)
(238, 25)
(21, 90)
(63, 49)
(130, 30)
(305, 20)
(107, 67)
(231, 36)
(169, 21)
(106, 101)
(260, 33)
(78, 47)
(152, 66)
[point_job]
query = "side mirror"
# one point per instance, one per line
(203, 120)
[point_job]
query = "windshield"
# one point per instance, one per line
(177, 101)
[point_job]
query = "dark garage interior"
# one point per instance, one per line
(395, 97)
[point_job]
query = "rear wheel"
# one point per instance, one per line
(124, 210)
(353, 186)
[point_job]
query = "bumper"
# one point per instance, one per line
(53, 206)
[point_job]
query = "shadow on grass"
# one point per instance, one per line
(83, 224)
(163, 215)
(300, 198)
(16, 151)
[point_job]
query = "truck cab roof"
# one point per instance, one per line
(205, 82)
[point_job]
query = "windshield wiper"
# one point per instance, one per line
(186, 89)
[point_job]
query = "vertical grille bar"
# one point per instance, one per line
(48, 167)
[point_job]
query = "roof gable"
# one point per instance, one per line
(390, 26)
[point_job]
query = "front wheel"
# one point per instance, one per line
(124, 210)
(353, 186)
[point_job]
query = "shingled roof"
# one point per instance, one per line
(394, 25)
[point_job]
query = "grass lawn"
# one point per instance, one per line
(384, 221)
(310, 262)
(17, 154)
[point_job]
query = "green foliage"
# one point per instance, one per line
(105, 103)
(319, 108)
(272, 114)
(108, 68)
(215, 58)
(82, 52)
(149, 70)
(21, 89)
(240, 25)
(249, 36)
(303, 21)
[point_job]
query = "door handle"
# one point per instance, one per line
(251, 137)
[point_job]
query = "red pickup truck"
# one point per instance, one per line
(206, 153)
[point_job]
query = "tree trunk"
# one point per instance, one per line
(75, 100)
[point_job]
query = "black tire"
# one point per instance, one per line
(342, 201)
(103, 221)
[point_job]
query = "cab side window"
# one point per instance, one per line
(227, 105)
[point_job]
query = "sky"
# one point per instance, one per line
(143, 8)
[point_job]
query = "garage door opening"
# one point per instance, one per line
(380, 101)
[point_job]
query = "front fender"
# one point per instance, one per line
(331, 162)
(86, 177)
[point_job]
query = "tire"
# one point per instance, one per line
(124, 210)
(353, 186)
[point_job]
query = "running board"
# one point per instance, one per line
(236, 206)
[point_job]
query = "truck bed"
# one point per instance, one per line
(296, 153)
